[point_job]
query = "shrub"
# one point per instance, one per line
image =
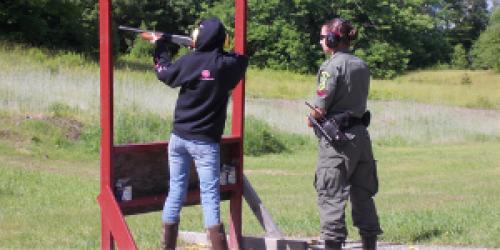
(138, 127)
(459, 58)
(61, 110)
(260, 139)
(385, 60)
(140, 47)
(129, 127)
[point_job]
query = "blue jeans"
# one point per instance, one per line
(206, 157)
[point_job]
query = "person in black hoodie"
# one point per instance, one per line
(206, 77)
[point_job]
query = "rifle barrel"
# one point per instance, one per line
(127, 28)
(309, 105)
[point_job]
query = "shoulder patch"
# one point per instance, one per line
(323, 77)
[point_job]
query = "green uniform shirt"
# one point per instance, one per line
(343, 83)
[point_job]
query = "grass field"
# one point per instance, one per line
(436, 145)
(429, 195)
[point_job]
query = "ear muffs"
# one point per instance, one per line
(332, 39)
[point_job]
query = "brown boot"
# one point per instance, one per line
(217, 237)
(333, 245)
(170, 231)
(369, 242)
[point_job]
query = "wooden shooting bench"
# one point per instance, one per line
(145, 166)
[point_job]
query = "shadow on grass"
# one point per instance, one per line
(426, 235)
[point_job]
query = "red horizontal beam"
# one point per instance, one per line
(163, 145)
(193, 197)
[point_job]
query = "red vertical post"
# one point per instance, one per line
(106, 94)
(240, 47)
(238, 117)
(107, 241)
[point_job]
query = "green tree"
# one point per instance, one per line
(485, 52)
(49, 23)
(459, 58)
(285, 34)
(282, 34)
(403, 29)
(462, 20)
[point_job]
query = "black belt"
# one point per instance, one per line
(355, 121)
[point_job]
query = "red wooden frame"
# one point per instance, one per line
(114, 228)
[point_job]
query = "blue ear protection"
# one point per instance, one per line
(332, 39)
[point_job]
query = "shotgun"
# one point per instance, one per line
(177, 39)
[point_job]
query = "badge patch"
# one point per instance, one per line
(323, 77)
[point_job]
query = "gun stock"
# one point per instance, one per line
(177, 39)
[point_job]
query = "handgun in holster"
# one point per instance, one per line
(329, 128)
(332, 128)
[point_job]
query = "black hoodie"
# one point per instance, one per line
(206, 77)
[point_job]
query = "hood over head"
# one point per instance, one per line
(211, 35)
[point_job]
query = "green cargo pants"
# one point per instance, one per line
(347, 169)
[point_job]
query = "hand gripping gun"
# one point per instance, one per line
(327, 128)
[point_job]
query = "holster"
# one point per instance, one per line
(333, 128)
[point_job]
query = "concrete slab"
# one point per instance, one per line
(199, 241)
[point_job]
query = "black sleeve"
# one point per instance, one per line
(236, 68)
(165, 70)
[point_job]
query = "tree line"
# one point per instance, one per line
(394, 35)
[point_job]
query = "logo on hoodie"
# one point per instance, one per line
(205, 75)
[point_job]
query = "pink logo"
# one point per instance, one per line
(205, 75)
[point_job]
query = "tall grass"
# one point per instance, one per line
(465, 88)
(71, 79)
(278, 84)
(394, 122)
(31, 86)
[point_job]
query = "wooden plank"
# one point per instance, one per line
(259, 210)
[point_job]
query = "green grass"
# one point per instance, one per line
(464, 88)
(44, 209)
(278, 84)
(432, 194)
(438, 165)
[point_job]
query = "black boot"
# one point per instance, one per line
(333, 245)
(217, 237)
(170, 232)
(369, 242)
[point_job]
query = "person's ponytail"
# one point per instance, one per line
(353, 34)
